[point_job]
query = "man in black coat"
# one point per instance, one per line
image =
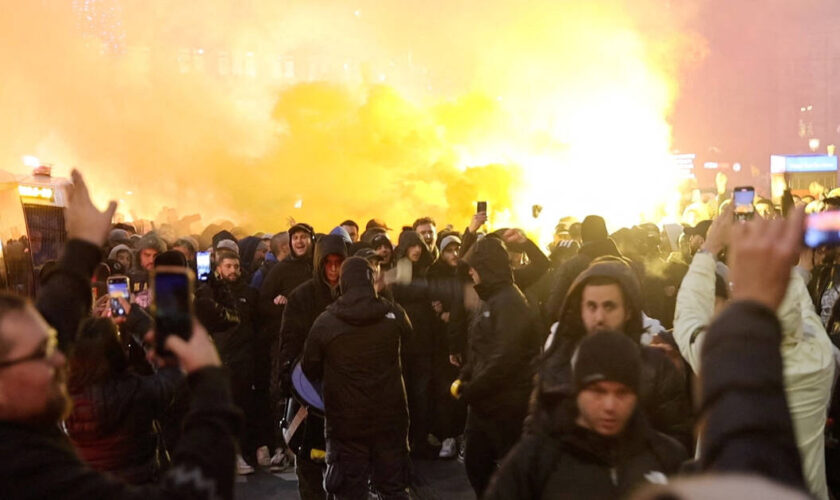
(607, 297)
(305, 304)
(354, 348)
(594, 444)
(503, 343)
(226, 306)
(38, 460)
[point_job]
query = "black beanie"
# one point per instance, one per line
(607, 356)
(594, 228)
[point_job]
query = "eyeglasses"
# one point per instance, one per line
(45, 351)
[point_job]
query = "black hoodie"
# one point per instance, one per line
(306, 302)
(417, 297)
(354, 347)
(663, 396)
(283, 278)
(504, 338)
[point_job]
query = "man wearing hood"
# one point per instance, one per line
(596, 243)
(416, 298)
(278, 249)
(119, 259)
(607, 297)
(354, 348)
(595, 443)
(286, 276)
(495, 383)
(146, 249)
(304, 306)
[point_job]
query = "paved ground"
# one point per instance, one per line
(435, 479)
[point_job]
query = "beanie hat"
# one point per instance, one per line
(445, 242)
(379, 240)
(607, 356)
(171, 258)
(340, 231)
(228, 245)
(594, 228)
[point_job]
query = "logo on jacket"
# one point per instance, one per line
(486, 314)
(656, 477)
(391, 316)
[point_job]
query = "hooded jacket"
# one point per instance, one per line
(112, 255)
(282, 279)
(806, 352)
(503, 339)
(663, 395)
(416, 297)
(306, 302)
(354, 348)
(566, 461)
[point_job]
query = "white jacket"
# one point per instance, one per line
(807, 355)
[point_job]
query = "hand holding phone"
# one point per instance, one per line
(118, 288)
(742, 199)
(172, 308)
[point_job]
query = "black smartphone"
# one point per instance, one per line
(118, 287)
(822, 229)
(742, 199)
(480, 206)
(172, 308)
(202, 265)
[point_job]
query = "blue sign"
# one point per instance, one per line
(780, 164)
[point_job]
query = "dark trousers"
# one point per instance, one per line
(310, 476)
(265, 426)
(488, 441)
(241, 385)
(381, 459)
(418, 382)
(448, 415)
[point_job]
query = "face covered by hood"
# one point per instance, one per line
(409, 239)
(328, 245)
(571, 326)
(358, 304)
(489, 257)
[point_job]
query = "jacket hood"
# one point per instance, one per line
(247, 249)
(112, 255)
(600, 248)
(149, 240)
(605, 267)
(223, 235)
(327, 245)
(409, 239)
(340, 231)
(489, 257)
(358, 304)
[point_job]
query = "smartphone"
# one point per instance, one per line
(822, 229)
(118, 287)
(172, 308)
(202, 265)
(742, 199)
(480, 206)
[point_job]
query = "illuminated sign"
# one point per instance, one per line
(780, 164)
(40, 192)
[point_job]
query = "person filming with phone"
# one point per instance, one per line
(38, 459)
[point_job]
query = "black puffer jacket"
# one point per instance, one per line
(282, 279)
(306, 303)
(416, 298)
(447, 285)
(568, 461)
(354, 347)
(504, 339)
(662, 394)
(228, 310)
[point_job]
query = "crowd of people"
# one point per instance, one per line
(701, 360)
